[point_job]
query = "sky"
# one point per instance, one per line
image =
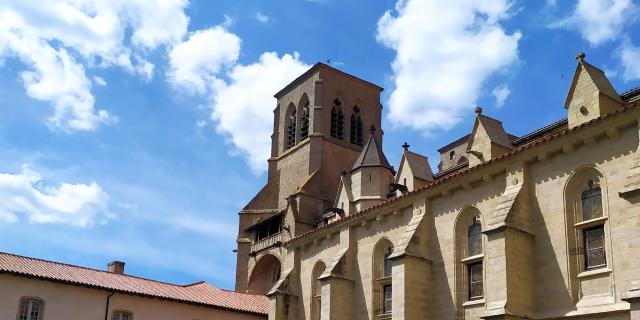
(136, 130)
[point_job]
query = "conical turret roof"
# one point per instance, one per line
(371, 155)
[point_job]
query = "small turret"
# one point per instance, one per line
(591, 95)
(488, 139)
(367, 184)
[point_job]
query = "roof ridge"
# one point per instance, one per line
(93, 269)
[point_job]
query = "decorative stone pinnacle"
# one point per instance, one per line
(372, 129)
(406, 146)
(478, 110)
(580, 56)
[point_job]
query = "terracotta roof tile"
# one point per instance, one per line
(199, 293)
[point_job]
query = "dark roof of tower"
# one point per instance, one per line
(371, 155)
(315, 68)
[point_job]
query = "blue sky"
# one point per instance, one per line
(136, 130)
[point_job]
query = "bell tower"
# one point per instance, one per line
(317, 132)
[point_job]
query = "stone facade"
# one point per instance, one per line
(543, 226)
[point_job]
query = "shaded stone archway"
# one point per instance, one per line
(264, 275)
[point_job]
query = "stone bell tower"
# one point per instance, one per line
(320, 124)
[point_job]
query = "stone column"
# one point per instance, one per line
(508, 274)
(337, 298)
(411, 281)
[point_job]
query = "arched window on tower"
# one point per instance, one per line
(290, 139)
(304, 119)
(356, 126)
(337, 120)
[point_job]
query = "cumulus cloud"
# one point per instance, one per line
(243, 105)
(195, 63)
(599, 21)
(501, 93)
(26, 195)
(630, 57)
(56, 41)
(440, 66)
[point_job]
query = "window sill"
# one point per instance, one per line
(473, 303)
(590, 223)
(385, 279)
(473, 259)
(384, 316)
(594, 272)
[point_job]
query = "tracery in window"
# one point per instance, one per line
(337, 120)
(290, 139)
(356, 127)
(304, 119)
(30, 309)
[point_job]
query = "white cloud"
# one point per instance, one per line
(501, 93)
(440, 66)
(630, 58)
(24, 194)
(599, 21)
(195, 63)
(57, 40)
(262, 17)
(243, 106)
(99, 81)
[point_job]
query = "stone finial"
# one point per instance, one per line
(580, 56)
(372, 129)
(478, 110)
(406, 146)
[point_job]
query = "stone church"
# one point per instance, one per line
(540, 226)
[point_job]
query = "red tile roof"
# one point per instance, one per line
(199, 293)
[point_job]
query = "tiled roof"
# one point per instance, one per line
(371, 156)
(199, 293)
(462, 169)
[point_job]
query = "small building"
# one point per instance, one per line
(35, 289)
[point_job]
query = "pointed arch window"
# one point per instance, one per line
(383, 288)
(356, 127)
(290, 140)
(304, 122)
(337, 120)
(316, 290)
(470, 252)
